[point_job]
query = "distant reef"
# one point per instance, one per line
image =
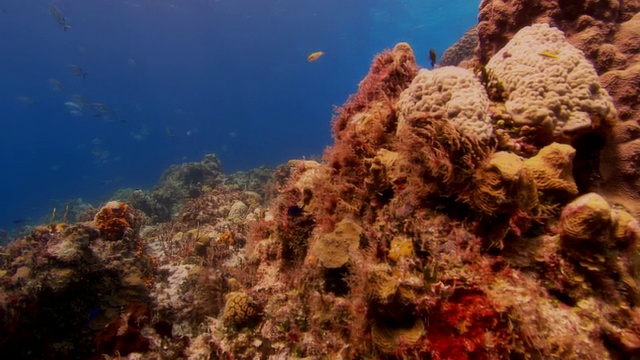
(481, 211)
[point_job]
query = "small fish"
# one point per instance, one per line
(432, 58)
(170, 132)
(315, 56)
(100, 107)
(3, 10)
(19, 221)
(72, 106)
(77, 71)
(25, 100)
(94, 313)
(80, 100)
(295, 211)
(548, 54)
(75, 113)
(56, 85)
(59, 17)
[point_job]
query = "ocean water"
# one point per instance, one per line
(159, 82)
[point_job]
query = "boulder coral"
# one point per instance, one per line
(504, 185)
(450, 94)
(605, 31)
(443, 134)
(462, 50)
(552, 171)
(604, 243)
(551, 87)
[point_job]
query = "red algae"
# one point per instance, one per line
(467, 326)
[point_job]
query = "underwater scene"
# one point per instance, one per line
(296, 179)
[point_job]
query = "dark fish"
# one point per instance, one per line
(19, 221)
(56, 85)
(3, 10)
(94, 313)
(59, 17)
(432, 58)
(77, 71)
(295, 211)
(101, 107)
(164, 329)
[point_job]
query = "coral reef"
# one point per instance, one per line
(445, 222)
(179, 182)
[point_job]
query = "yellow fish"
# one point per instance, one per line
(314, 56)
(548, 54)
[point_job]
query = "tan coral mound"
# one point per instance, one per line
(551, 86)
(389, 340)
(336, 248)
(449, 94)
(504, 185)
(586, 218)
(553, 171)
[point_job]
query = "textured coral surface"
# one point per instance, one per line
(550, 85)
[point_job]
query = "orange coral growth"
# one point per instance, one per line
(114, 220)
(226, 238)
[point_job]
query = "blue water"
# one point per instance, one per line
(182, 79)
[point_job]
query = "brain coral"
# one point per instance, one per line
(238, 309)
(551, 85)
(448, 93)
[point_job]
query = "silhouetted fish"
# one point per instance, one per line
(94, 313)
(19, 221)
(77, 71)
(56, 85)
(295, 211)
(101, 107)
(59, 17)
(432, 57)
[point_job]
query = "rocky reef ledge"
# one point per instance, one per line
(459, 214)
